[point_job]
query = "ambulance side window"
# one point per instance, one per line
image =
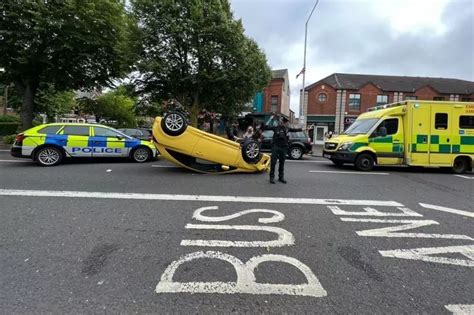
(441, 121)
(76, 130)
(466, 122)
(391, 125)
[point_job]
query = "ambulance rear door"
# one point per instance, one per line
(441, 138)
(419, 120)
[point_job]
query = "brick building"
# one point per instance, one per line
(335, 101)
(275, 97)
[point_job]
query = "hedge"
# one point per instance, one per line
(7, 118)
(9, 139)
(8, 128)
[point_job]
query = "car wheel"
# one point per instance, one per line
(174, 123)
(364, 162)
(48, 156)
(461, 165)
(141, 155)
(296, 153)
(251, 151)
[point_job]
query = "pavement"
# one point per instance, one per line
(92, 236)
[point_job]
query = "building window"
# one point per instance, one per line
(354, 102)
(438, 98)
(382, 99)
(411, 97)
(274, 103)
(322, 97)
(466, 122)
(441, 121)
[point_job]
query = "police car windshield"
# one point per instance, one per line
(361, 126)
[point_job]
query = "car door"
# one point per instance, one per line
(389, 147)
(107, 142)
(267, 140)
(76, 138)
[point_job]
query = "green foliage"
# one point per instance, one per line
(52, 102)
(10, 119)
(7, 128)
(71, 44)
(196, 52)
(114, 107)
(9, 139)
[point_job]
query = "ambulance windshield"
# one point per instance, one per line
(361, 126)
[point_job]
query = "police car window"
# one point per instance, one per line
(466, 122)
(104, 132)
(76, 130)
(49, 130)
(441, 121)
(390, 124)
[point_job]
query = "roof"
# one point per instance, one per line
(396, 83)
(279, 74)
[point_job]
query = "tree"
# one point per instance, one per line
(51, 102)
(114, 107)
(195, 51)
(71, 44)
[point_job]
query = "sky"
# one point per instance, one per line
(426, 38)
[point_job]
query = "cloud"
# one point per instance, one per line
(392, 37)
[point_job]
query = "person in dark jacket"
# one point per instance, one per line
(279, 146)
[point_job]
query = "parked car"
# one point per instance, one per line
(298, 144)
(138, 133)
(204, 152)
(49, 144)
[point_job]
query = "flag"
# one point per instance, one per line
(301, 72)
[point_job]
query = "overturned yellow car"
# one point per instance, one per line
(204, 152)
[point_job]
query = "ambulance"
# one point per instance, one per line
(410, 133)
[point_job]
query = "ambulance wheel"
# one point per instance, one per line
(48, 156)
(174, 123)
(461, 165)
(251, 151)
(364, 162)
(141, 155)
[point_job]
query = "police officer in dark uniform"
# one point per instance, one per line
(279, 146)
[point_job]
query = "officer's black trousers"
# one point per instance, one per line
(278, 153)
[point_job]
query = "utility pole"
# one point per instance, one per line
(303, 105)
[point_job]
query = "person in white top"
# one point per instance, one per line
(249, 133)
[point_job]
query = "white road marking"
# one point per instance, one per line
(277, 216)
(165, 166)
(450, 210)
(4, 150)
(246, 282)
(172, 197)
(285, 238)
(424, 254)
(349, 172)
(14, 161)
(374, 212)
(391, 231)
(316, 161)
(460, 309)
(465, 177)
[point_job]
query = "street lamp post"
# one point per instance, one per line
(303, 110)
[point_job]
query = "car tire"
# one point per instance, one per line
(174, 123)
(364, 162)
(48, 156)
(295, 153)
(251, 151)
(141, 155)
(461, 165)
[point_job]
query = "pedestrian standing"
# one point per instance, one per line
(279, 146)
(249, 133)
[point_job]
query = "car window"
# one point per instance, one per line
(50, 129)
(298, 135)
(105, 132)
(268, 134)
(76, 130)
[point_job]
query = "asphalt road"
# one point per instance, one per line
(112, 236)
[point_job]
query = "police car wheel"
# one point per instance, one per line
(296, 153)
(461, 165)
(48, 156)
(364, 162)
(174, 123)
(141, 155)
(251, 151)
